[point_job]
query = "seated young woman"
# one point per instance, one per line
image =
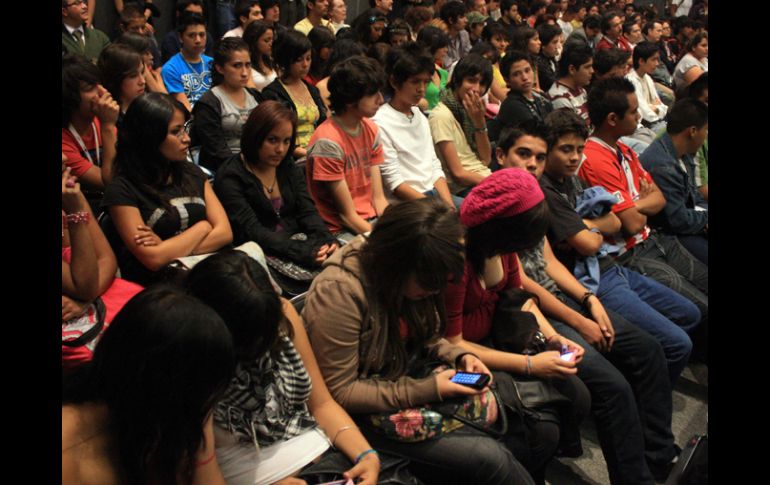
(264, 192)
(293, 56)
(503, 214)
(219, 116)
(259, 36)
(123, 75)
(142, 44)
(276, 417)
(161, 205)
(141, 411)
(378, 306)
(88, 273)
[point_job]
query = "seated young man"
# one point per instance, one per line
(187, 75)
(453, 14)
(88, 133)
(627, 431)
(576, 68)
(411, 169)
(458, 125)
(344, 154)
(246, 11)
(550, 37)
(611, 63)
(613, 108)
(132, 19)
(646, 58)
(316, 13)
(523, 102)
(171, 44)
(669, 160)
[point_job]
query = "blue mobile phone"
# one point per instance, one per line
(471, 379)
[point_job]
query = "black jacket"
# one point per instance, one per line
(207, 129)
(252, 216)
(275, 91)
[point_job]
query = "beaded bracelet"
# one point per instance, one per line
(367, 452)
(78, 217)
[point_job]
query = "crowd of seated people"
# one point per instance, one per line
(512, 188)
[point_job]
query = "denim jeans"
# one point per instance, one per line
(630, 398)
(662, 312)
(457, 200)
(463, 456)
(225, 17)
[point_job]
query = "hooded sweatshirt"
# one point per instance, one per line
(345, 333)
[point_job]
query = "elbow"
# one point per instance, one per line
(636, 226)
(588, 249)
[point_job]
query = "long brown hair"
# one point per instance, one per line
(420, 239)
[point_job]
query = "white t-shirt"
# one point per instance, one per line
(260, 80)
(408, 148)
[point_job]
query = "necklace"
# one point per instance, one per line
(196, 75)
(272, 185)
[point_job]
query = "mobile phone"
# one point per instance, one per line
(471, 379)
(567, 356)
(338, 482)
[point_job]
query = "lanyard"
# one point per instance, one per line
(76, 135)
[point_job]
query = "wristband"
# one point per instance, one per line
(584, 301)
(78, 217)
(481, 130)
(367, 452)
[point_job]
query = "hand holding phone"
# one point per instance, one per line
(471, 379)
(566, 354)
(339, 482)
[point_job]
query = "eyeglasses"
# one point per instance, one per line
(76, 2)
(185, 130)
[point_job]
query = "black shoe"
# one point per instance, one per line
(661, 471)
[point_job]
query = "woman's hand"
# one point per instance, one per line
(549, 364)
(558, 342)
(447, 388)
(366, 471)
(146, 236)
(71, 308)
(471, 363)
(599, 315)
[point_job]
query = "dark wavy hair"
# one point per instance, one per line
(76, 72)
(138, 158)
(351, 80)
(117, 62)
(423, 236)
(405, 61)
(237, 287)
(361, 25)
(291, 46)
(563, 122)
(160, 367)
(261, 121)
(319, 37)
(251, 35)
(222, 54)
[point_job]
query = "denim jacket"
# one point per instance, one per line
(679, 215)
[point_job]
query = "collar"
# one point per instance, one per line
(71, 30)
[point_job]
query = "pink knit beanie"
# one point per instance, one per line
(504, 193)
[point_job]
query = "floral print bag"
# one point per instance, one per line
(431, 421)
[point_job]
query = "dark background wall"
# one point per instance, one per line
(105, 17)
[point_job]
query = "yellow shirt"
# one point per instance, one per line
(305, 26)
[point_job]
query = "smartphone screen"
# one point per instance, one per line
(471, 379)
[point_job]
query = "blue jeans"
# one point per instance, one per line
(457, 200)
(225, 17)
(662, 312)
(630, 398)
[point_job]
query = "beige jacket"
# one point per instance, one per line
(342, 329)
